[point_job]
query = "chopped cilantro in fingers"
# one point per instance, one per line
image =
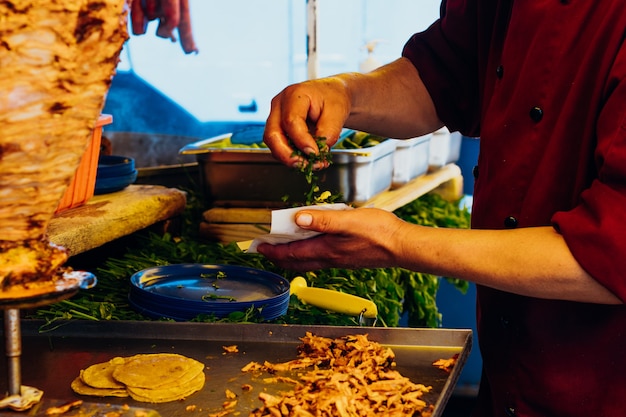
(310, 163)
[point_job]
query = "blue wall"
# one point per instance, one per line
(458, 312)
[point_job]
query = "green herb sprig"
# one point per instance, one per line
(212, 297)
(430, 210)
(313, 194)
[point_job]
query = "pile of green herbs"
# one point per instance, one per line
(420, 288)
(395, 291)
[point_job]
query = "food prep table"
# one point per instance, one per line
(52, 359)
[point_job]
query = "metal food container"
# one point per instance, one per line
(251, 177)
(410, 159)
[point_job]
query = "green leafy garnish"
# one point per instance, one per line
(210, 297)
(313, 194)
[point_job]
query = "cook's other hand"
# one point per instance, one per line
(345, 242)
(301, 112)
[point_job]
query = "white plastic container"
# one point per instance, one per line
(445, 148)
(410, 159)
(370, 63)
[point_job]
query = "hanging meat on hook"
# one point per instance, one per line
(173, 16)
(138, 18)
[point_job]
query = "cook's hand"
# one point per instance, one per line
(361, 238)
(317, 107)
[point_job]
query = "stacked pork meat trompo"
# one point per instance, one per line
(57, 59)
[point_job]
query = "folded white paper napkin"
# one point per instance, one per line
(284, 228)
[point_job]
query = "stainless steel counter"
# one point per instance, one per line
(51, 360)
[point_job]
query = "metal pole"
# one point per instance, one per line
(311, 31)
(13, 340)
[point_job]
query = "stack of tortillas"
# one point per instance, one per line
(153, 378)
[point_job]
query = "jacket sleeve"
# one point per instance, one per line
(595, 230)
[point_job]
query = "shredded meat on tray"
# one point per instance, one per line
(446, 364)
(349, 376)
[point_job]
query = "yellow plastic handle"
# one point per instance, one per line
(333, 300)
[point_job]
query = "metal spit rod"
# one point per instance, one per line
(13, 342)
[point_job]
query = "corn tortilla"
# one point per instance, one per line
(79, 387)
(156, 370)
(100, 375)
(168, 393)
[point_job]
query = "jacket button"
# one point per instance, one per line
(475, 172)
(536, 114)
(509, 411)
(510, 222)
(505, 322)
(500, 71)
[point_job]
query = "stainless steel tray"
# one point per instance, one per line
(51, 360)
(251, 177)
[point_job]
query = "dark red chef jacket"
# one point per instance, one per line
(543, 84)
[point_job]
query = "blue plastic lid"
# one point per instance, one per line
(184, 291)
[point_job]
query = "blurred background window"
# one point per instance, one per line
(249, 50)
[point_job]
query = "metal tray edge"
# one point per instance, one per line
(267, 332)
